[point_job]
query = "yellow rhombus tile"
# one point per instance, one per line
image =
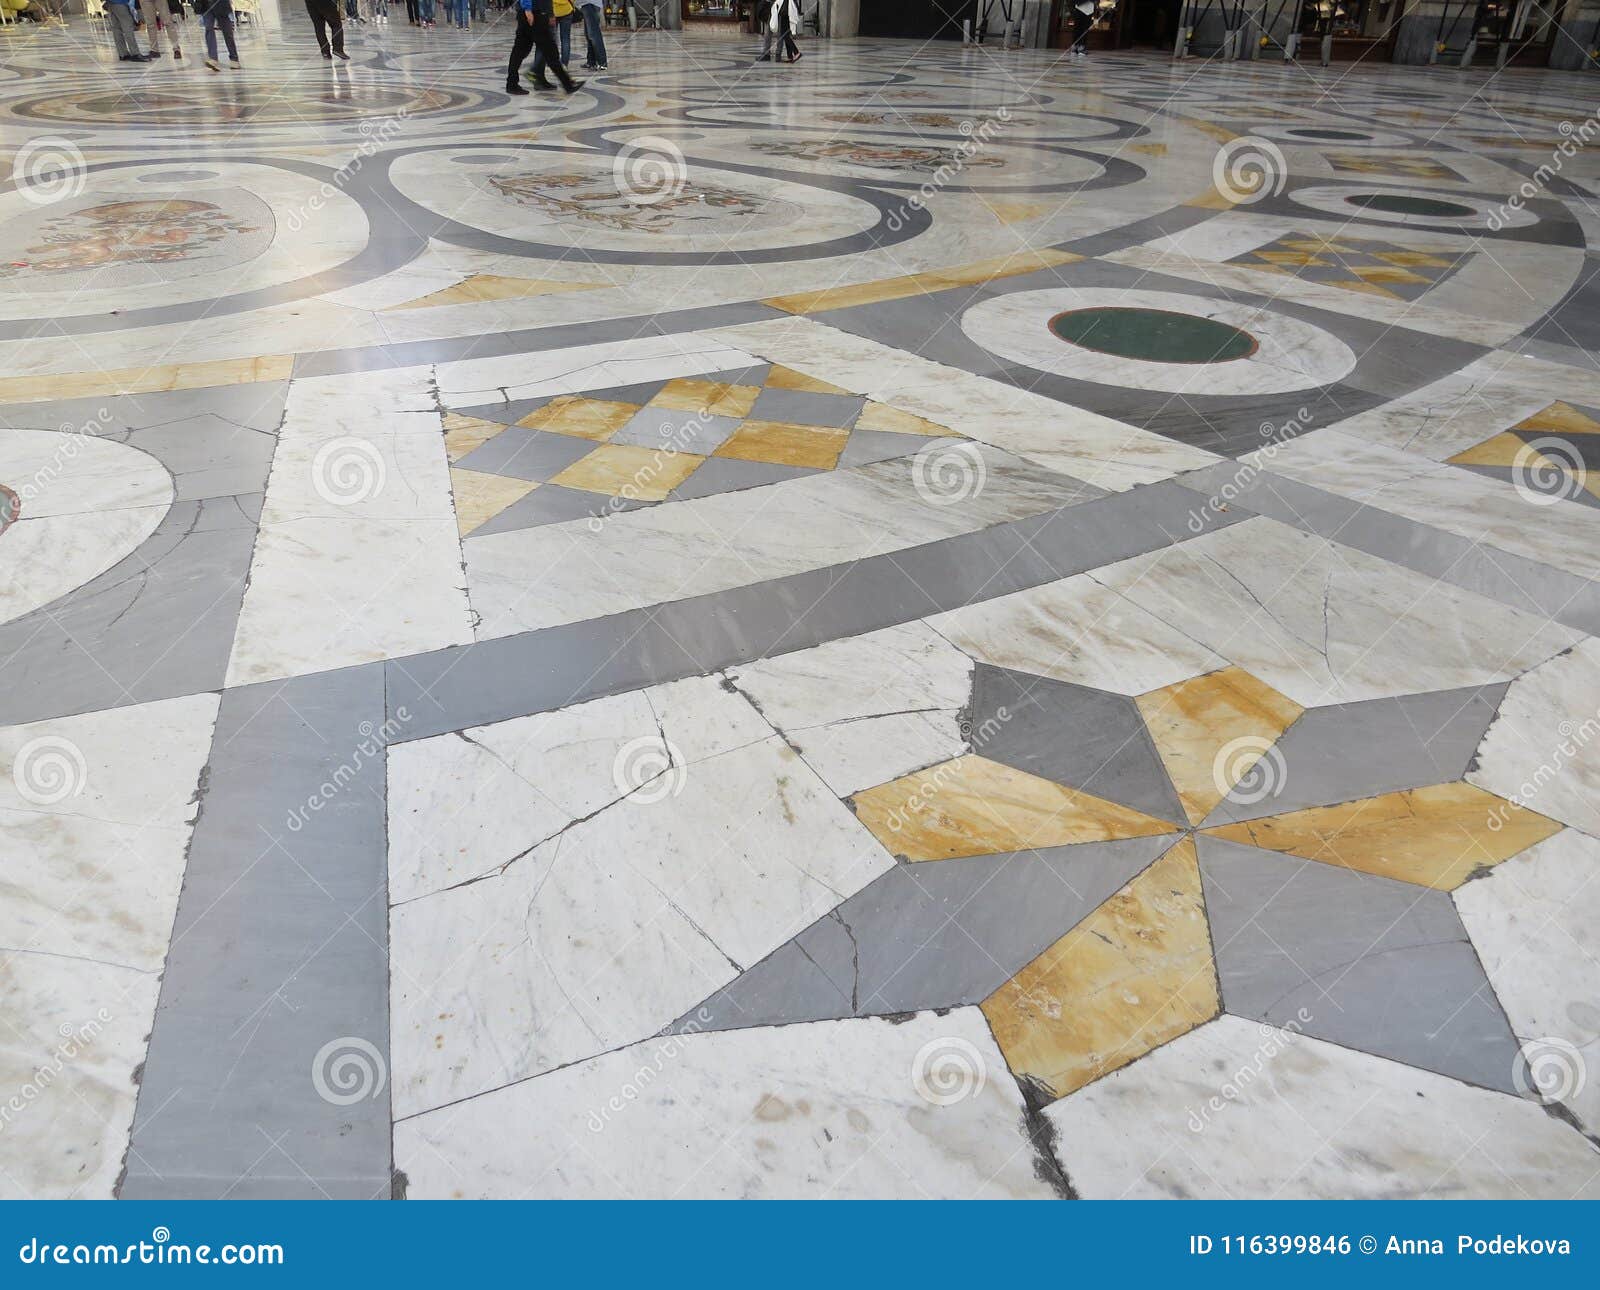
(782, 444)
(1363, 288)
(786, 378)
(463, 434)
(483, 287)
(1303, 259)
(1133, 975)
(1502, 450)
(624, 470)
(596, 419)
(1560, 418)
(880, 416)
(714, 398)
(1212, 730)
(1380, 273)
(971, 806)
(479, 496)
(1413, 259)
(1436, 837)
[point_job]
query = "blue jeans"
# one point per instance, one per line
(459, 11)
(220, 14)
(425, 10)
(564, 33)
(593, 20)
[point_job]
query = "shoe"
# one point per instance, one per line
(573, 86)
(798, 56)
(341, 55)
(177, 55)
(540, 83)
(233, 63)
(765, 58)
(213, 64)
(326, 54)
(603, 68)
(513, 88)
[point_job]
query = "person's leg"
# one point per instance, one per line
(788, 36)
(336, 21)
(319, 24)
(594, 54)
(564, 25)
(519, 51)
(224, 11)
(544, 40)
(123, 31)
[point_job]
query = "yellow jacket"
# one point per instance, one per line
(561, 8)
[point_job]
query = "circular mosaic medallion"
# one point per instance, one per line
(1158, 340)
(1413, 207)
(1154, 335)
(1403, 204)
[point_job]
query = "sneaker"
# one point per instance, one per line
(177, 54)
(341, 55)
(213, 64)
(573, 86)
(513, 88)
(233, 63)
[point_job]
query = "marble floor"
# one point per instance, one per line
(936, 622)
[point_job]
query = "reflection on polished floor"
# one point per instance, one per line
(934, 622)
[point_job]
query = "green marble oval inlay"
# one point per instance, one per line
(1400, 204)
(1154, 335)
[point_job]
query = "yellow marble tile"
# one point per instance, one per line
(1381, 273)
(916, 284)
(714, 398)
(1018, 212)
(623, 470)
(786, 378)
(971, 806)
(596, 419)
(481, 287)
(479, 497)
(1150, 149)
(1414, 259)
(1502, 450)
(1211, 731)
(146, 380)
(782, 444)
(1132, 976)
(880, 416)
(1560, 418)
(1298, 259)
(462, 434)
(1436, 837)
(1316, 245)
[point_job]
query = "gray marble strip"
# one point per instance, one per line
(531, 340)
(539, 671)
(279, 950)
(1513, 580)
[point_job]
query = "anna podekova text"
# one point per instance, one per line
(1313, 1244)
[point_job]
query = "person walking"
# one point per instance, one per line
(1082, 20)
(425, 13)
(156, 26)
(124, 31)
(782, 19)
(594, 19)
(561, 14)
(217, 15)
(327, 20)
(460, 10)
(533, 32)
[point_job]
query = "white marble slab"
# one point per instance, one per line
(1323, 623)
(829, 1109)
(1080, 631)
(1535, 922)
(1289, 1117)
(95, 818)
(606, 932)
(1543, 749)
(868, 709)
(358, 557)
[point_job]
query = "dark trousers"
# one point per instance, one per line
(325, 17)
(411, 12)
(535, 35)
